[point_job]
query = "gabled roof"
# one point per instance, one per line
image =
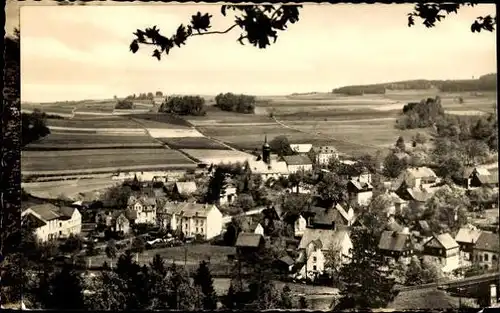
(394, 241)
(188, 209)
(360, 186)
(301, 147)
(492, 178)
(444, 240)
(467, 235)
(298, 159)
(325, 149)
(329, 238)
(249, 240)
(418, 195)
(394, 198)
(488, 241)
(261, 167)
(186, 188)
(67, 211)
(287, 260)
(409, 175)
(46, 211)
(421, 172)
(33, 221)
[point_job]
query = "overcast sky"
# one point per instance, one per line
(82, 52)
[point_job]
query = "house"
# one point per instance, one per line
(184, 189)
(228, 195)
(396, 245)
(482, 177)
(335, 215)
(298, 162)
(417, 177)
(301, 148)
(284, 264)
(315, 247)
(297, 222)
(267, 165)
(192, 219)
(52, 222)
(359, 192)
(466, 238)
(250, 225)
(443, 249)
(487, 250)
(414, 197)
(249, 243)
(324, 154)
(397, 205)
(144, 209)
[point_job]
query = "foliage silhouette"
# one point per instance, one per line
(261, 23)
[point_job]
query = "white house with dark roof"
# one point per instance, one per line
(52, 222)
(360, 192)
(315, 246)
(301, 148)
(298, 162)
(397, 245)
(487, 250)
(417, 177)
(193, 218)
(443, 249)
(143, 208)
(324, 154)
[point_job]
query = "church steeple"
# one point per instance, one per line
(266, 151)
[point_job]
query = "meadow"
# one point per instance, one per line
(216, 156)
(95, 159)
(96, 123)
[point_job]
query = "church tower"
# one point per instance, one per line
(266, 151)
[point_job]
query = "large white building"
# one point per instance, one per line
(297, 163)
(324, 154)
(267, 165)
(193, 219)
(52, 222)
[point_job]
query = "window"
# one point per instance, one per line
(60, 224)
(202, 230)
(486, 257)
(494, 257)
(196, 229)
(314, 267)
(60, 233)
(480, 258)
(314, 259)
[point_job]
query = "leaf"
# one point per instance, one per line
(200, 22)
(411, 21)
(134, 46)
(157, 54)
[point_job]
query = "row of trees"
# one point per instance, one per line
(184, 105)
(144, 96)
(486, 82)
(235, 103)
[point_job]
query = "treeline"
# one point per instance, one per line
(184, 105)
(235, 103)
(486, 82)
(421, 114)
(124, 104)
(145, 96)
(33, 127)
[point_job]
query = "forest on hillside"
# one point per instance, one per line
(486, 82)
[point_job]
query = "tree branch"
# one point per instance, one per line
(216, 32)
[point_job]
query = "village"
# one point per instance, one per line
(271, 202)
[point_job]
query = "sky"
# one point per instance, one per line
(82, 52)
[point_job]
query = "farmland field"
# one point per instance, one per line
(41, 161)
(217, 156)
(108, 122)
(69, 140)
(192, 143)
(162, 118)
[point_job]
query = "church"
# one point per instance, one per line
(268, 165)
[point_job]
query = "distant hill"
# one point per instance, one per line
(486, 82)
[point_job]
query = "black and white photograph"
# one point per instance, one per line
(227, 156)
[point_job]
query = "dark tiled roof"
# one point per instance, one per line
(33, 221)
(488, 241)
(298, 159)
(46, 211)
(67, 211)
(250, 240)
(393, 241)
(287, 260)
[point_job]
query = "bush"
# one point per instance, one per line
(124, 105)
